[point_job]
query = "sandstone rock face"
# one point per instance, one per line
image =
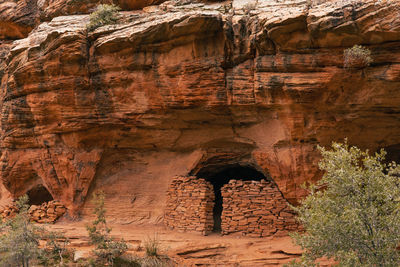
(191, 88)
(18, 18)
(53, 8)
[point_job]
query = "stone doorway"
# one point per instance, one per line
(221, 178)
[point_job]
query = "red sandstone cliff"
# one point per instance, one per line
(181, 88)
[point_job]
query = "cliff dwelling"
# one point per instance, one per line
(202, 116)
(228, 199)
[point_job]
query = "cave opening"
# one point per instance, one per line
(393, 153)
(221, 177)
(39, 195)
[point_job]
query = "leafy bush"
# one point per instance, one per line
(104, 15)
(357, 57)
(352, 214)
(19, 242)
(106, 249)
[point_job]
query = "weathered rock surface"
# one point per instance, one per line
(179, 89)
(18, 18)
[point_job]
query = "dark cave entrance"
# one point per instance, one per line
(38, 195)
(221, 177)
(393, 153)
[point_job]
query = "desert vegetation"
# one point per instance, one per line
(105, 14)
(106, 249)
(357, 57)
(110, 252)
(24, 243)
(352, 215)
(19, 242)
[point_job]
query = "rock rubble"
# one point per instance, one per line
(48, 212)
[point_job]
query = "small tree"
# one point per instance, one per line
(352, 214)
(55, 252)
(19, 241)
(104, 14)
(357, 57)
(106, 249)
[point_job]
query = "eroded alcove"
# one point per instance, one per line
(39, 195)
(228, 195)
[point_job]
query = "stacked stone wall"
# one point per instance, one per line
(190, 203)
(48, 212)
(255, 208)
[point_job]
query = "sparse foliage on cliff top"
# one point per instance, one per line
(105, 14)
(106, 249)
(357, 57)
(355, 218)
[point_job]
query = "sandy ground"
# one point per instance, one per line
(190, 249)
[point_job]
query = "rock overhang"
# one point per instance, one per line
(195, 78)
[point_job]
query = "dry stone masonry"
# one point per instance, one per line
(252, 208)
(255, 208)
(48, 212)
(190, 205)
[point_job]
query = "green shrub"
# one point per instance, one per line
(55, 252)
(106, 249)
(352, 214)
(104, 15)
(357, 57)
(19, 242)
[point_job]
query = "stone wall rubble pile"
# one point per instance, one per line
(9, 211)
(255, 208)
(48, 212)
(190, 205)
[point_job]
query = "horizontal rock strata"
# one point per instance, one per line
(129, 106)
